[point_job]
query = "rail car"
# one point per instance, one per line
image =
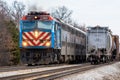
(102, 46)
(115, 47)
(44, 39)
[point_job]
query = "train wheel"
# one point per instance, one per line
(92, 62)
(63, 59)
(97, 61)
(36, 64)
(104, 59)
(29, 64)
(68, 61)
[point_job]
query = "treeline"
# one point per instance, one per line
(9, 19)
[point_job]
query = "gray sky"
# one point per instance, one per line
(88, 12)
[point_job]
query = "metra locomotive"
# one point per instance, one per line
(44, 39)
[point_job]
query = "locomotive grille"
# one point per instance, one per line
(38, 38)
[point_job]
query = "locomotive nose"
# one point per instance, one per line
(36, 38)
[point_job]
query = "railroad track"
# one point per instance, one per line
(15, 68)
(41, 73)
(54, 73)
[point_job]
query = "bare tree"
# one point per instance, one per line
(4, 11)
(17, 11)
(6, 45)
(82, 27)
(62, 13)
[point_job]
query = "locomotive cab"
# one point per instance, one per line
(36, 31)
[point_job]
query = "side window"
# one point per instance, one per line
(56, 26)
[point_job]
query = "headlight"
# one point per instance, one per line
(36, 34)
(48, 44)
(35, 17)
(24, 43)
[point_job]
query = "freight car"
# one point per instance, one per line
(115, 47)
(101, 45)
(44, 39)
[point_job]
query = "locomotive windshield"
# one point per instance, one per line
(44, 24)
(37, 24)
(29, 24)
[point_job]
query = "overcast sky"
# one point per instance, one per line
(88, 12)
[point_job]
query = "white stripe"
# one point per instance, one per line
(30, 37)
(40, 33)
(32, 33)
(24, 37)
(44, 35)
(30, 43)
(48, 37)
(36, 42)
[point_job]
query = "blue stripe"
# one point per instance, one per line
(20, 36)
(52, 35)
(52, 40)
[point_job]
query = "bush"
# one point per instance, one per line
(14, 50)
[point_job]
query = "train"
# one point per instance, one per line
(44, 39)
(101, 46)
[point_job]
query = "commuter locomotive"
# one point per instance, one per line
(44, 39)
(102, 46)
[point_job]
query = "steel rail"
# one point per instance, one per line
(55, 73)
(68, 72)
(41, 73)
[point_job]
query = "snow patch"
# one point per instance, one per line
(110, 72)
